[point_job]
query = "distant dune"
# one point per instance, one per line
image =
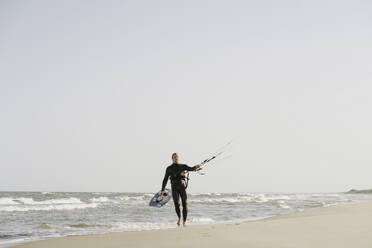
(361, 191)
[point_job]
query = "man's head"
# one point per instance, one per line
(175, 158)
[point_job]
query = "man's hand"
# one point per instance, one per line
(162, 194)
(197, 166)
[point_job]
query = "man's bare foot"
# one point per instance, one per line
(184, 223)
(178, 222)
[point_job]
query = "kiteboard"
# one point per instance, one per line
(158, 201)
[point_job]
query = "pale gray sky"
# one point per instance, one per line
(96, 95)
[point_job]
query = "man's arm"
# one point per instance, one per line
(188, 168)
(165, 180)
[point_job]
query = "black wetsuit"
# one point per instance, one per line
(176, 174)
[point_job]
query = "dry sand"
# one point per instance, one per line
(341, 226)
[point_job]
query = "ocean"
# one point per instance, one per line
(29, 216)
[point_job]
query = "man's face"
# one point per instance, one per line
(175, 158)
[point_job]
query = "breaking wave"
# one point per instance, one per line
(24, 204)
(238, 198)
(47, 207)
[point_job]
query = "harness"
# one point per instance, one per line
(183, 178)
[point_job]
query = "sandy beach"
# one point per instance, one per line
(345, 225)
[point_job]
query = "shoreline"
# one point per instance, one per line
(341, 225)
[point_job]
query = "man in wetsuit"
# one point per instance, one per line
(176, 172)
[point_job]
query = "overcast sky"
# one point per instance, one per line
(97, 95)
